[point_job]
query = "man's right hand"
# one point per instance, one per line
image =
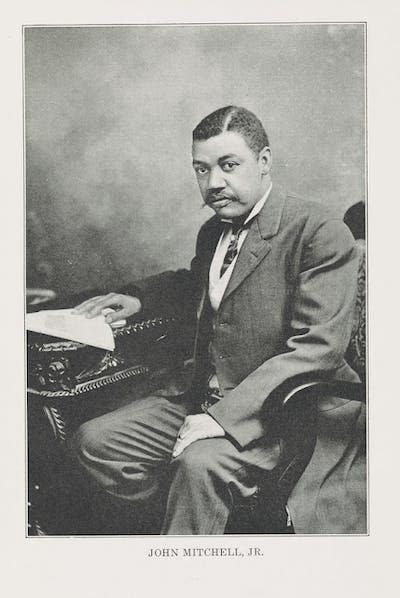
(124, 306)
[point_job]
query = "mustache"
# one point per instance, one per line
(213, 196)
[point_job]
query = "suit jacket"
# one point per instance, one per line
(286, 311)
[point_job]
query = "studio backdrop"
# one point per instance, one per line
(110, 192)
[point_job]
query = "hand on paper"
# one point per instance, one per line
(124, 306)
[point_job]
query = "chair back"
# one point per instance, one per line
(356, 352)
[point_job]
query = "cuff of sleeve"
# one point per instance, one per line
(242, 431)
(133, 291)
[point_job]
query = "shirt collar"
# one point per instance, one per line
(256, 208)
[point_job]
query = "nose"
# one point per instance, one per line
(216, 180)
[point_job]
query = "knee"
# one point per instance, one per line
(90, 440)
(197, 462)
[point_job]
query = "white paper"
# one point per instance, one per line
(75, 327)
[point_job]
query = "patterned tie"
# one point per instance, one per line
(232, 251)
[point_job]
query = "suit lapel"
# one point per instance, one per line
(210, 243)
(257, 245)
(254, 249)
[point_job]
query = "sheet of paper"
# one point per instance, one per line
(75, 327)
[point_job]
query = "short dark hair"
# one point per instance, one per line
(233, 118)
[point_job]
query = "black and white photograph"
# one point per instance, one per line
(195, 276)
(199, 291)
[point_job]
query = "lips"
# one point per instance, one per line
(220, 201)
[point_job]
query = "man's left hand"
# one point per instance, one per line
(196, 427)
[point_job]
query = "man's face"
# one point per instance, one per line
(230, 176)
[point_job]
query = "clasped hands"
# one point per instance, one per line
(195, 427)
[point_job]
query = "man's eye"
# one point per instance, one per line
(229, 166)
(200, 170)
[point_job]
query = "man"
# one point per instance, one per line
(273, 287)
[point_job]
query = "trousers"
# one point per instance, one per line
(128, 452)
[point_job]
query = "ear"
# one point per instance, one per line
(265, 160)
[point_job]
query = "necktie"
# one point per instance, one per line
(232, 251)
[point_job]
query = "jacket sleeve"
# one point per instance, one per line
(170, 292)
(320, 328)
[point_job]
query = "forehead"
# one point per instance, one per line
(229, 143)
